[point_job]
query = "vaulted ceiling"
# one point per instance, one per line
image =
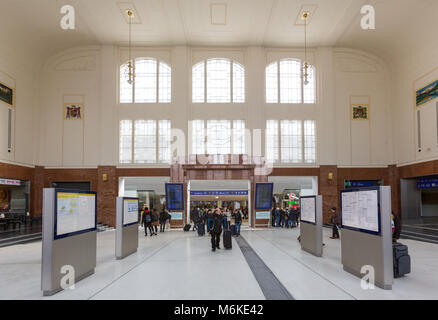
(31, 27)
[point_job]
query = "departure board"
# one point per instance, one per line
(263, 196)
(175, 196)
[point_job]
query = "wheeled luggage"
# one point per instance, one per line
(233, 230)
(201, 229)
(227, 239)
(402, 260)
(187, 227)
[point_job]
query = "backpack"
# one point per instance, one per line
(148, 218)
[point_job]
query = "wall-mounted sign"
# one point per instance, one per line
(360, 112)
(73, 111)
(220, 193)
(6, 94)
(361, 183)
(428, 183)
(10, 182)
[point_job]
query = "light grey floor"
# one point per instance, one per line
(179, 265)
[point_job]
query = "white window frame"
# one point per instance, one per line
(302, 83)
(157, 143)
(157, 76)
(303, 143)
(233, 134)
(205, 93)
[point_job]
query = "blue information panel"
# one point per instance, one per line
(428, 183)
(263, 196)
(175, 196)
(220, 193)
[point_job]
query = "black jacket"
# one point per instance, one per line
(215, 222)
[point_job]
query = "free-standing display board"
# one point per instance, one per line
(366, 237)
(263, 203)
(311, 224)
(126, 227)
(175, 203)
(69, 237)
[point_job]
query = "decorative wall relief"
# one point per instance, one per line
(73, 111)
(360, 112)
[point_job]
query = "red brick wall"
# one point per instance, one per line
(107, 191)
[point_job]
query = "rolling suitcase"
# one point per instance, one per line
(233, 230)
(402, 260)
(201, 229)
(227, 239)
(187, 227)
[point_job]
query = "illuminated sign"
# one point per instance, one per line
(10, 182)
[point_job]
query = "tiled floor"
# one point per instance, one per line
(179, 265)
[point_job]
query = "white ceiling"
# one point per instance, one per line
(31, 27)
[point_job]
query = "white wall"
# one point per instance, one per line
(91, 74)
(23, 78)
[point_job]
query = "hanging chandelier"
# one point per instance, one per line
(304, 17)
(130, 14)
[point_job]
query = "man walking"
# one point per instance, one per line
(215, 228)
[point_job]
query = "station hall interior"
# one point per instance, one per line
(249, 106)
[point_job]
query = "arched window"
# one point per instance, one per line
(284, 83)
(218, 81)
(152, 82)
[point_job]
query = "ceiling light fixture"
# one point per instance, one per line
(304, 17)
(130, 14)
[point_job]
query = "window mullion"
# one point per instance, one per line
(205, 81)
(279, 141)
(157, 99)
(132, 141)
(157, 141)
(303, 141)
(231, 82)
(278, 82)
(133, 81)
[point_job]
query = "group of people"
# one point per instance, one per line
(285, 218)
(214, 220)
(151, 220)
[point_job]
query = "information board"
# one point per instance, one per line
(263, 215)
(75, 212)
(130, 211)
(308, 209)
(263, 196)
(175, 196)
(176, 215)
(360, 210)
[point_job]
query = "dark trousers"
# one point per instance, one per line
(146, 227)
(335, 231)
(162, 226)
(215, 239)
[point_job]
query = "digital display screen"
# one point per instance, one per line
(263, 196)
(175, 196)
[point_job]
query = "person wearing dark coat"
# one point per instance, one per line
(163, 218)
(215, 227)
(336, 221)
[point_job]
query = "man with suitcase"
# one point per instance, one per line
(215, 228)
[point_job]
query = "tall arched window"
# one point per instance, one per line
(152, 82)
(218, 81)
(284, 83)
